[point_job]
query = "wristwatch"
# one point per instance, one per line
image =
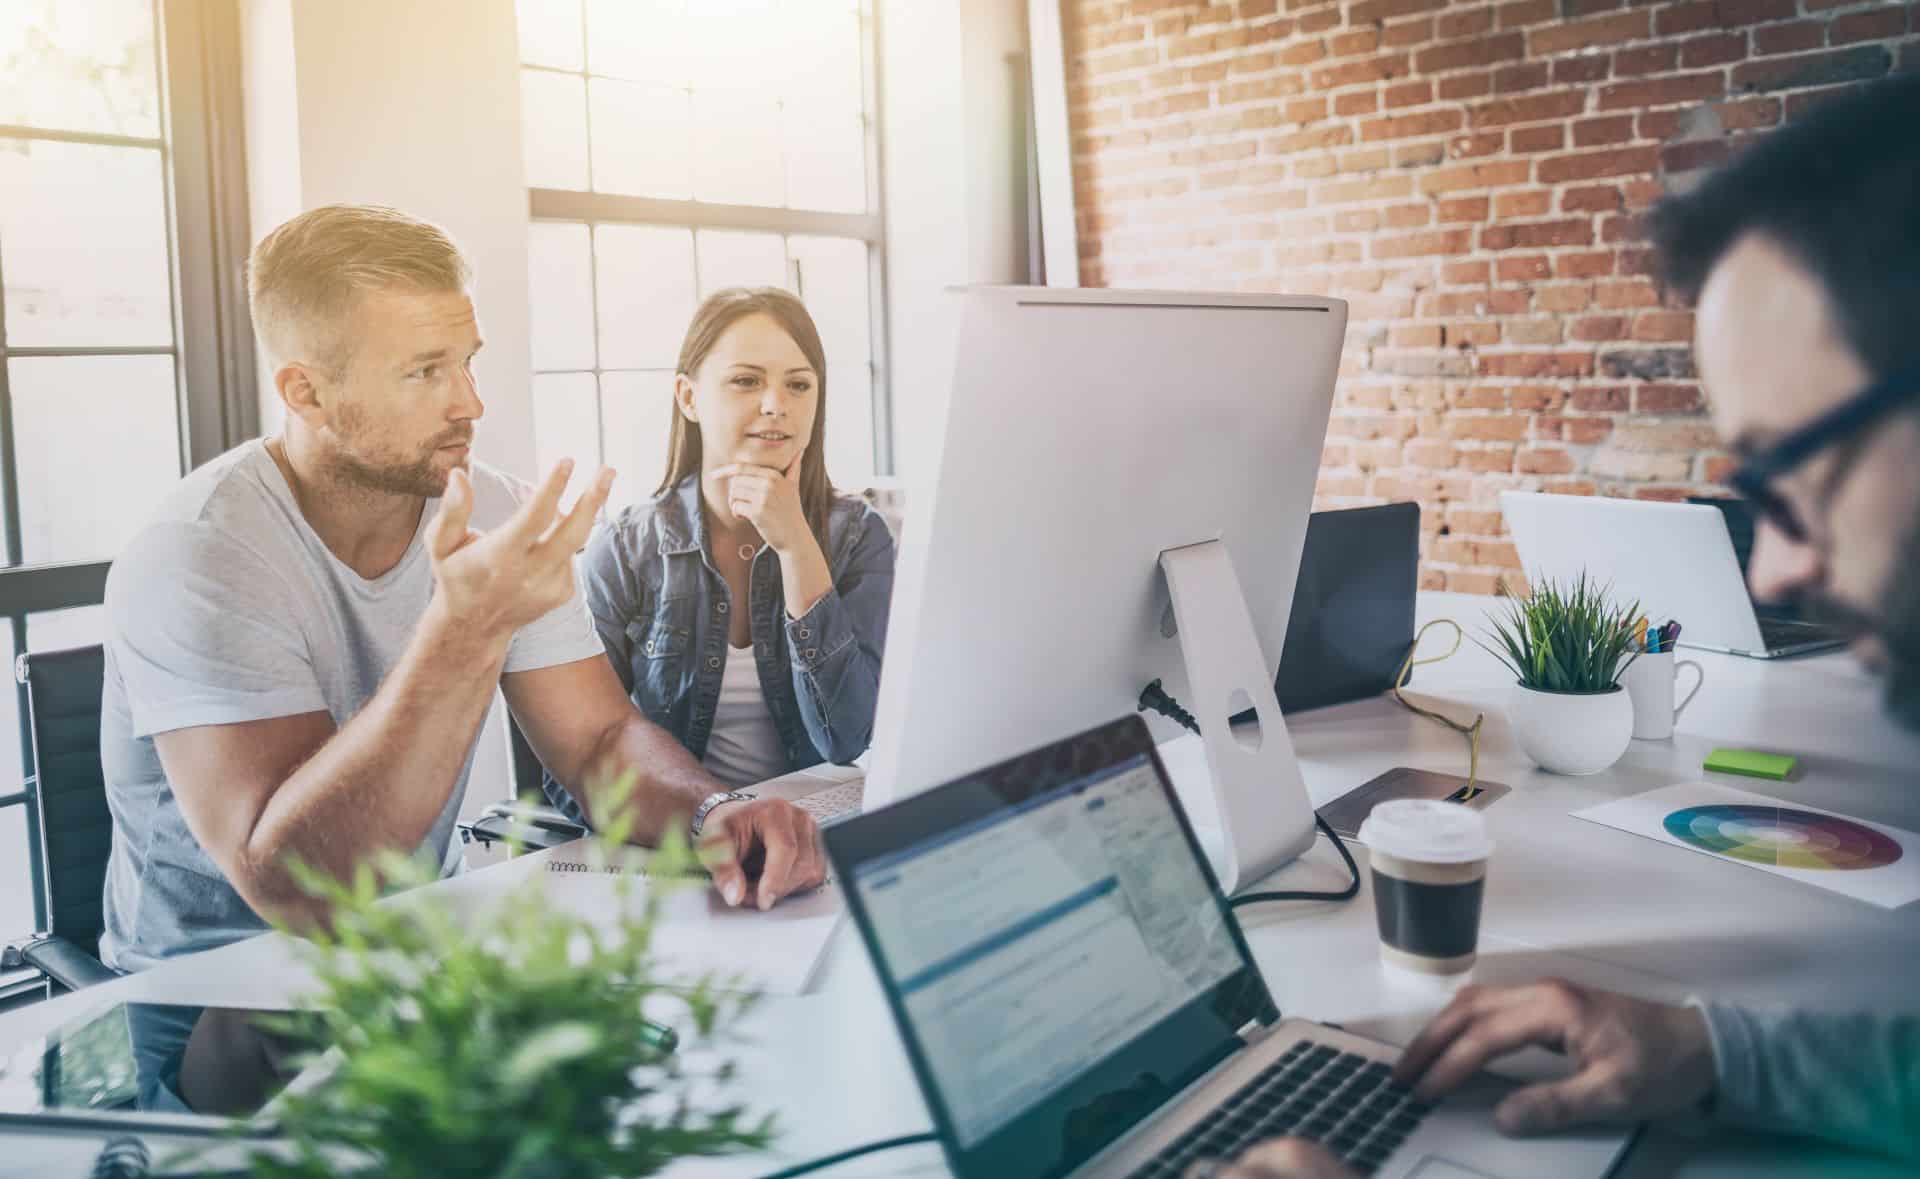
(707, 804)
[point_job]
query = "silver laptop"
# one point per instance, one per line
(827, 792)
(1077, 999)
(1678, 560)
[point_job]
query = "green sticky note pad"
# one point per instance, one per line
(1750, 763)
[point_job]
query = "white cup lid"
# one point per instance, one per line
(1427, 830)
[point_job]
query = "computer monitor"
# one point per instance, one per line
(1121, 496)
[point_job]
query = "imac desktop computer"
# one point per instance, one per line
(1121, 497)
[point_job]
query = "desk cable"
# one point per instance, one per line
(1155, 699)
(820, 1164)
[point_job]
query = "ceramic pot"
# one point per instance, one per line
(1572, 732)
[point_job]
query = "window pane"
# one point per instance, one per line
(566, 424)
(57, 630)
(642, 140)
(553, 123)
(733, 44)
(16, 880)
(646, 294)
(638, 408)
(737, 149)
(818, 62)
(98, 444)
(646, 40)
(550, 33)
(826, 159)
(83, 245)
(730, 259)
(560, 284)
(85, 66)
(849, 424)
(833, 284)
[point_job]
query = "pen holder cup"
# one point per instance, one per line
(1650, 682)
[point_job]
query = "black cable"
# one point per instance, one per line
(819, 1164)
(1154, 698)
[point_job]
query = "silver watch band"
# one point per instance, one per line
(707, 804)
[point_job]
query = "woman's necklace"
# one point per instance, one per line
(747, 551)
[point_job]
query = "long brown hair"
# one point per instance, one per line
(721, 311)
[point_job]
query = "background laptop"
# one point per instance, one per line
(1353, 604)
(1076, 997)
(1678, 560)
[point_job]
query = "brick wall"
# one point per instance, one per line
(1468, 175)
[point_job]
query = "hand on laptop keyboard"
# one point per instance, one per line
(1282, 1158)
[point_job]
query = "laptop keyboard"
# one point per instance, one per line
(1341, 1100)
(1776, 633)
(834, 801)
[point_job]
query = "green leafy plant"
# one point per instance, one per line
(1569, 638)
(509, 1045)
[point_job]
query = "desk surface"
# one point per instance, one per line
(1565, 897)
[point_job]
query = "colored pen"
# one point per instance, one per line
(1640, 634)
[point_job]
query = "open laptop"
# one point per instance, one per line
(1678, 560)
(1077, 999)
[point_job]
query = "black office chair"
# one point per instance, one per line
(537, 827)
(70, 798)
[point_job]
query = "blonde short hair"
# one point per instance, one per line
(305, 276)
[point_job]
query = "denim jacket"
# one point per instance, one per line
(661, 608)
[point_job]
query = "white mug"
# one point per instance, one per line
(1649, 681)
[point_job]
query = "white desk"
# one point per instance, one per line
(1564, 897)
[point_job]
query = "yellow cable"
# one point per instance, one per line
(1470, 732)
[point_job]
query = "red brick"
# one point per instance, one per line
(1305, 110)
(1600, 132)
(1875, 24)
(1584, 34)
(1603, 399)
(1522, 204)
(1353, 42)
(1468, 272)
(1406, 216)
(1686, 18)
(1356, 102)
(1700, 52)
(1814, 69)
(1526, 12)
(1663, 91)
(1718, 468)
(1370, 11)
(1536, 460)
(1407, 32)
(1629, 293)
(1796, 37)
(1522, 268)
(1419, 155)
(1752, 114)
(1595, 264)
(1357, 221)
(1430, 453)
(1417, 335)
(1578, 431)
(1565, 297)
(1380, 188)
(1592, 165)
(1479, 51)
(1734, 13)
(1569, 71)
(1468, 23)
(1409, 126)
(1459, 86)
(1677, 398)
(1533, 364)
(1689, 157)
(1537, 235)
(1478, 335)
(1464, 209)
(1492, 429)
(1536, 108)
(1597, 328)
(1354, 73)
(1466, 176)
(1475, 522)
(1407, 94)
(1445, 241)
(1490, 460)
(1537, 139)
(1649, 59)
(1663, 326)
(1660, 124)
(1514, 79)
(1625, 228)
(1467, 147)
(1601, 198)
(1534, 398)
(1545, 330)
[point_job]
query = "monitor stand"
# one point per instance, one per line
(1260, 800)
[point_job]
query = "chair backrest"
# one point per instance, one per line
(76, 828)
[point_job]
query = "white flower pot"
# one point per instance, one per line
(1572, 733)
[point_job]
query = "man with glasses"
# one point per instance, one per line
(1803, 258)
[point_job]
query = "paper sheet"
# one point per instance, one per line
(1866, 861)
(775, 952)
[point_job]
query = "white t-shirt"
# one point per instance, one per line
(745, 745)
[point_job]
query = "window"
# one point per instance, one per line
(675, 147)
(112, 293)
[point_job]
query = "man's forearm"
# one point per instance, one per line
(669, 784)
(382, 780)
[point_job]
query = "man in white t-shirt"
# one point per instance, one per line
(306, 636)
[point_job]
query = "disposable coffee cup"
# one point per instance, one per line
(1429, 864)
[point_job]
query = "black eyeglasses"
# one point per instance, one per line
(1754, 479)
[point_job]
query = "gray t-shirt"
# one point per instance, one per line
(227, 607)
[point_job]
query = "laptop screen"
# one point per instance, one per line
(1056, 952)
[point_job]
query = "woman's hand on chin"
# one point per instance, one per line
(769, 499)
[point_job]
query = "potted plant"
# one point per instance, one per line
(1567, 647)
(510, 1046)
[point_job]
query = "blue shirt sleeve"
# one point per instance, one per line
(1850, 1077)
(837, 645)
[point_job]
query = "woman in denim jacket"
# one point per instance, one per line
(744, 606)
